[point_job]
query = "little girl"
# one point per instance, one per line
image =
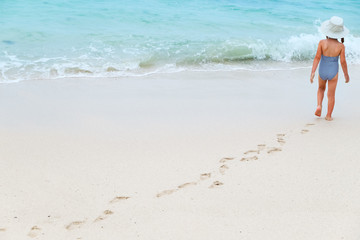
(328, 53)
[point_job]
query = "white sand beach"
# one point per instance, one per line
(187, 155)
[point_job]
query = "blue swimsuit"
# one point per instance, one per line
(329, 67)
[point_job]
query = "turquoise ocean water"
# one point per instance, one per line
(109, 38)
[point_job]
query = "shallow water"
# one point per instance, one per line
(50, 39)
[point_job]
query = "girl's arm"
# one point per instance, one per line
(316, 61)
(344, 64)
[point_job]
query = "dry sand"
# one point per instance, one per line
(191, 155)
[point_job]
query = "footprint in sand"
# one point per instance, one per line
(274, 150)
(261, 147)
(252, 151)
(280, 135)
(34, 232)
(117, 199)
(310, 124)
(187, 184)
(73, 225)
(2, 229)
(103, 216)
(226, 159)
(223, 168)
(281, 140)
(249, 158)
(216, 184)
(304, 131)
(204, 176)
(166, 192)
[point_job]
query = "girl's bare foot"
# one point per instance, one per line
(318, 111)
(328, 118)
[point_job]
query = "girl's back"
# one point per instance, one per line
(331, 47)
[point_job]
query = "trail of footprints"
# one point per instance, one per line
(35, 231)
(250, 155)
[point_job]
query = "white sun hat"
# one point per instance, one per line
(334, 28)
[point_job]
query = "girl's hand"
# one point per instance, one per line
(347, 78)
(312, 77)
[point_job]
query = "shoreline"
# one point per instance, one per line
(255, 67)
(120, 157)
(141, 72)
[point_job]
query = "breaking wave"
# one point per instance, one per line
(112, 59)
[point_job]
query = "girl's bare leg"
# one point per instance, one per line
(331, 97)
(320, 96)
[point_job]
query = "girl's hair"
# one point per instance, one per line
(342, 39)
